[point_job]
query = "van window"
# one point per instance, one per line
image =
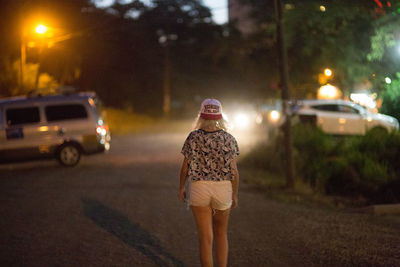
(65, 112)
(22, 115)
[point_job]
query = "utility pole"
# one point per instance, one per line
(167, 82)
(283, 69)
(22, 59)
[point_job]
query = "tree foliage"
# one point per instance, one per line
(391, 98)
(335, 34)
(385, 56)
(336, 38)
(120, 52)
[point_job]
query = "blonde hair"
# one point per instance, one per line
(201, 123)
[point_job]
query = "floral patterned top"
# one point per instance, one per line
(210, 155)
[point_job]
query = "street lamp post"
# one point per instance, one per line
(40, 29)
(22, 58)
(48, 36)
(166, 41)
(167, 83)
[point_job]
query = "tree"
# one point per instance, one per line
(129, 52)
(385, 56)
(320, 34)
(119, 52)
(391, 98)
(8, 77)
(384, 53)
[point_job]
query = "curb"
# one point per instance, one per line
(386, 209)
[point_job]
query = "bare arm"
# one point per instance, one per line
(235, 183)
(182, 180)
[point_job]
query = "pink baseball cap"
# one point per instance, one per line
(211, 109)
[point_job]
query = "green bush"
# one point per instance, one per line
(313, 150)
(381, 148)
(356, 174)
(351, 166)
(365, 166)
(344, 180)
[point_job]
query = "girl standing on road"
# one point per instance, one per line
(211, 177)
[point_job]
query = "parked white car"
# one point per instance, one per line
(58, 126)
(343, 117)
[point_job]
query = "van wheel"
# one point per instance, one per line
(69, 155)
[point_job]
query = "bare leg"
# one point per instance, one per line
(220, 228)
(203, 218)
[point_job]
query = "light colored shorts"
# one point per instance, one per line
(216, 194)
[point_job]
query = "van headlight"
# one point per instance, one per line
(101, 130)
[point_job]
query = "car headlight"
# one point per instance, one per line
(241, 120)
(274, 116)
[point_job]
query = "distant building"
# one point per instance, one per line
(240, 15)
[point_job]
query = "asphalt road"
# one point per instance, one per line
(122, 209)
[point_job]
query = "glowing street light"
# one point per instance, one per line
(329, 91)
(41, 29)
(328, 72)
(388, 80)
(325, 76)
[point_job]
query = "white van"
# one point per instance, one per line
(57, 126)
